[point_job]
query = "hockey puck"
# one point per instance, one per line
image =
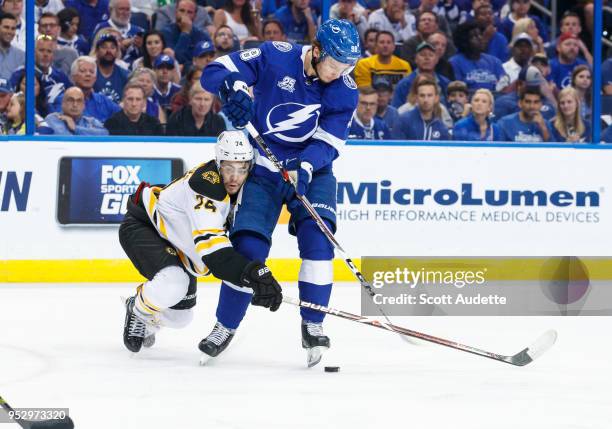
(332, 368)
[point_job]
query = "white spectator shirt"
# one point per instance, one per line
(379, 20)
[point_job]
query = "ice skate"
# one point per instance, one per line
(216, 342)
(314, 341)
(134, 328)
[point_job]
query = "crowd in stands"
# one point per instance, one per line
(475, 70)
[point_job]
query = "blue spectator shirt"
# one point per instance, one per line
(411, 126)
(467, 129)
(498, 47)
(54, 82)
(295, 32)
(561, 74)
(97, 106)
(606, 72)
(507, 25)
(112, 87)
(390, 116)
(400, 93)
(89, 15)
(183, 43)
(11, 58)
(515, 130)
(557, 137)
(606, 137)
(152, 107)
(78, 43)
(483, 73)
(85, 126)
(164, 99)
(376, 130)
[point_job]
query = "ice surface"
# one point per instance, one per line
(61, 346)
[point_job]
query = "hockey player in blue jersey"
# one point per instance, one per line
(303, 103)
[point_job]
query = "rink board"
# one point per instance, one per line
(393, 201)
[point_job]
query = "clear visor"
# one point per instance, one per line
(231, 170)
(335, 66)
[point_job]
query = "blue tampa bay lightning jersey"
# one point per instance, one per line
(292, 111)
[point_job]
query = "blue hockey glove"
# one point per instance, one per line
(237, 103)
(304, 176)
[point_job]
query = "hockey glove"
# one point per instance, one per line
(266, 290)
(237, 103)
(301, 177)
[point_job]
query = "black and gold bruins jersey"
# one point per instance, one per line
(191, 213)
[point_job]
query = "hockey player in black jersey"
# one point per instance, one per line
(174, 233)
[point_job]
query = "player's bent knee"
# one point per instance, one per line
(251, 245)
(316, 272)
(167, 288)
(313, 244)
(176, 319)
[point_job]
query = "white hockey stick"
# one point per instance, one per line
(321, 224)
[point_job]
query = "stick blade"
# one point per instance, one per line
(537, 349)
(65, 423)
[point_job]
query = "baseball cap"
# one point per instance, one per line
(5, 87)
(567, 35)
(522, 36)
(531, 75)
(382, 84)
(457, 85)
(164, 61)
(203, 48)
(425, 45)
(540, 58)
(106, 38)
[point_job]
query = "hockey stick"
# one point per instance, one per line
(65, 423)
(319, 221)
(522, 358)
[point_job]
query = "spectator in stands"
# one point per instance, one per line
(165, 89)
(224, 41)
(567, 59)
(369, 42)
(131, 35)
(110, 78)
(543, 64)
(567, 125)
(606, 72)
(522, 52)
(6, 92)
(196, 119)
(471, 64)
(443, 46)
(298, 20)
(54, 81)
(426, 60)
(132, 120)
(146, 78)
(495, 42)
(69, 20)
(154, 46)
(50, 6)
(244, 21)
(527, 25)
(183, 36)
(91, 12)
(10, 57)
(353, 12)
(273, 31)
(527, 125)
(365, 124)
(64, 56)
(15, 115)
(520, 9)
(385, 111)
(582, 82)
(457, 94)
(427, 24)
(394, 18)
(71, 120)
(477, 126)
(384, 63)
(181, 99)
(432, 6)
(83, 75)
(41, 108)
(15, 8)
(606, 136)
(570, 23)
(528, 76)
(166, 15)
(423, 122)
(203, 55)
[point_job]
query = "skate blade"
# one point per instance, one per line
(205, 359)
(314, 355)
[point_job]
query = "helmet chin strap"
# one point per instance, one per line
(314, 61)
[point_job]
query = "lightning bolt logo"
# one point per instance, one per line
(296, 119)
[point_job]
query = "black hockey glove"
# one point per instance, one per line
(266, 290)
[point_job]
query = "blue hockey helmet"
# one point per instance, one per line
(339, 39)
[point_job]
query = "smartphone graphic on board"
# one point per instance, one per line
(95, 190)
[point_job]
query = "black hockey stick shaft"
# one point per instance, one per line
(65, 423)
(521, 358)
(318, 220)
